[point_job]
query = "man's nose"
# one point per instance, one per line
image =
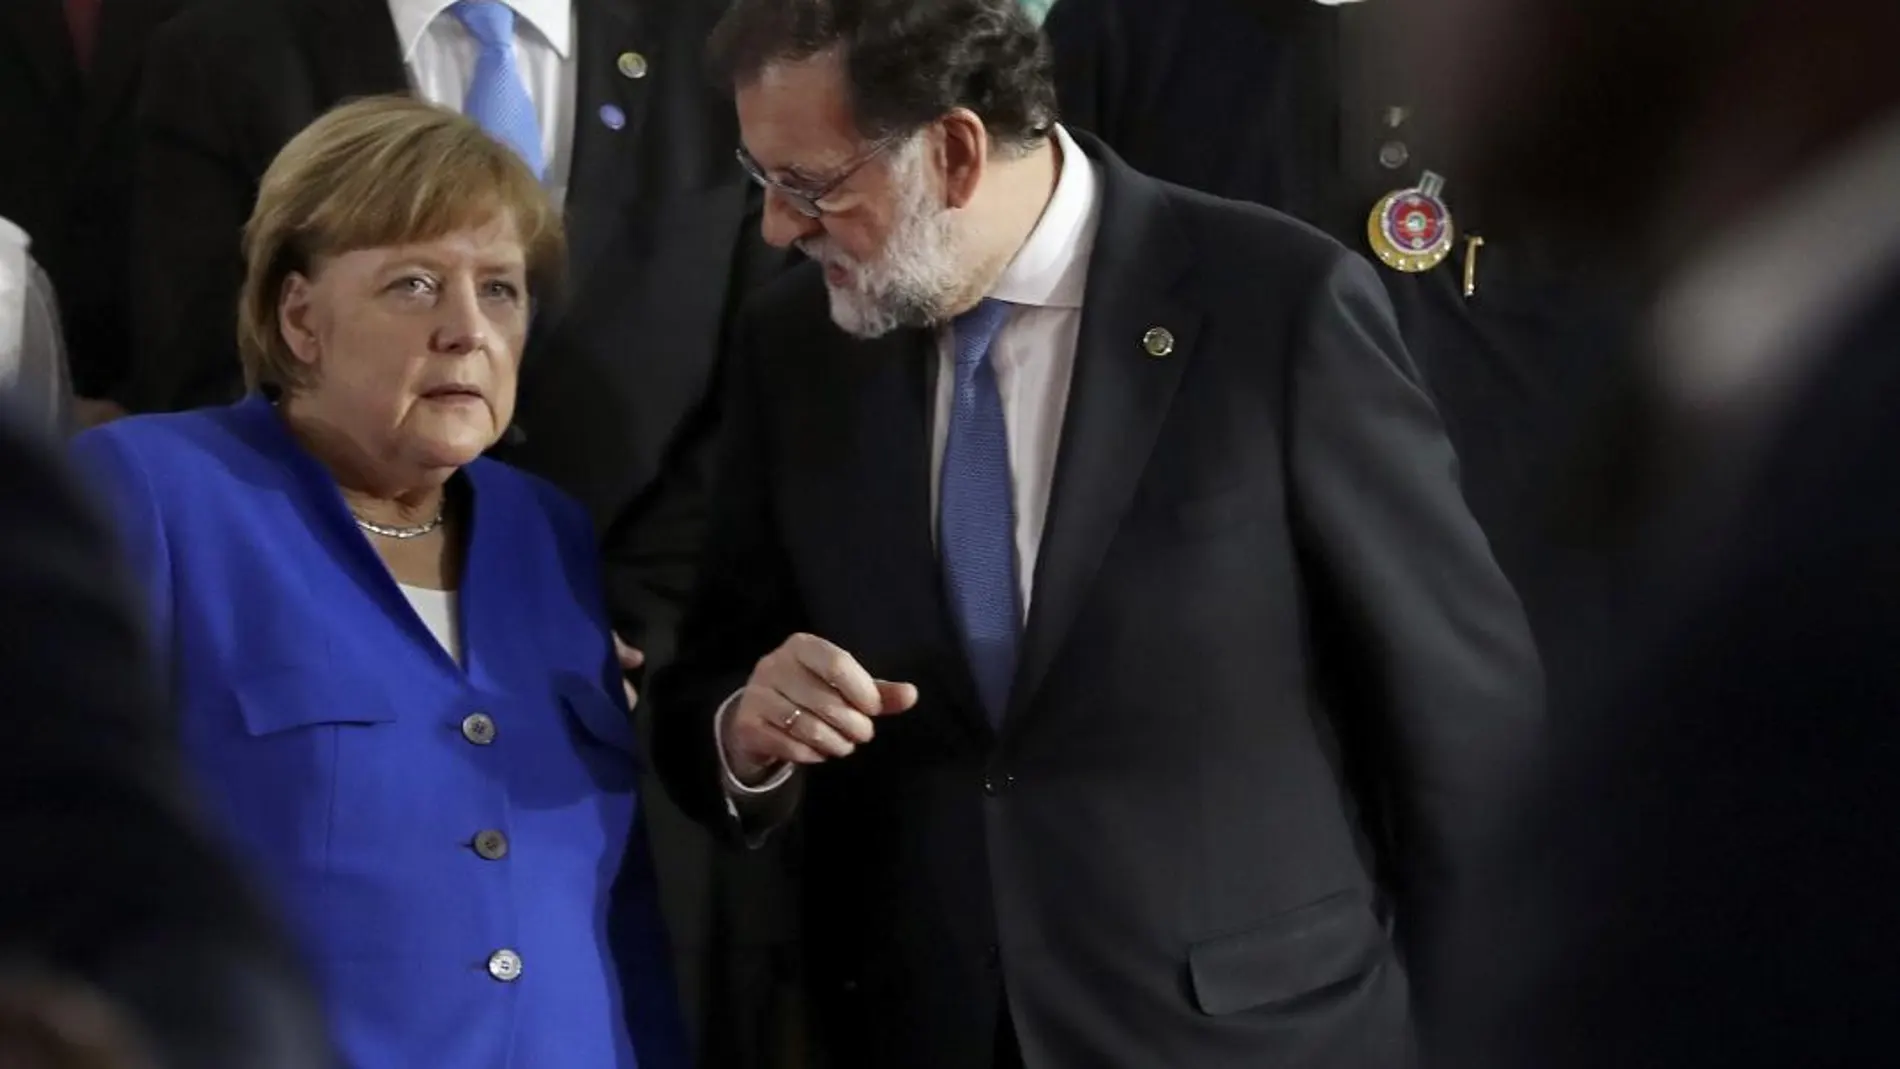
(783, 224)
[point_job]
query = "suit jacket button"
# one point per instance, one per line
(491, 845)
(989, 786)
(504, 965)
(992, 956)
(478, 728)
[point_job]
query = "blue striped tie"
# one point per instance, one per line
(976, 522)
(497, 97)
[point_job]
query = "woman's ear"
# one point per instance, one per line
(295, 318)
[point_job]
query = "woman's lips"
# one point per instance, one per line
(452, 394)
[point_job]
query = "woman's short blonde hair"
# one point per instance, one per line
(379, 172)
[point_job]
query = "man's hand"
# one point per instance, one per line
(630, 661)
(807, 702)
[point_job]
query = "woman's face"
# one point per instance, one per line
(415, 348)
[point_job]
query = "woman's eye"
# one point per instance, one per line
(506, 291)
(414, 285)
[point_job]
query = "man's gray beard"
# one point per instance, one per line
(915, 278)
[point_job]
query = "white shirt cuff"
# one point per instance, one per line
(732, 784)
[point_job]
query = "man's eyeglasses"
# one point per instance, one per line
(809, 201)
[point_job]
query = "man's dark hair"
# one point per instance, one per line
(907, 62)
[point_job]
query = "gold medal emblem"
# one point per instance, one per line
(1410, 230)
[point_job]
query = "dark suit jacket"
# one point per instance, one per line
(658, 215)
(1189, 839)
(110, 877)
(1719, 873)
(66, 177)
(1288, 103)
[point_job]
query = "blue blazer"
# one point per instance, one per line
(459, 847)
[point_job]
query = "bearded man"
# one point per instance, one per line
(1088, 572)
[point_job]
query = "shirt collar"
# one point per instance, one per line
(552, 19)
(1051, 269)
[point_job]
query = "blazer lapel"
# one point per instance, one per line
(353, 49)
(1136, 338)
(886, 504)
(610, 112)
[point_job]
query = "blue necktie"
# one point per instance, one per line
(497, 97)
(976, 521)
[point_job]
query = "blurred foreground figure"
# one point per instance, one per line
(1717, 865)
(107, 879)
(50, 1024)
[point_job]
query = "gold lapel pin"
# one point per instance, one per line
(632, 65)
(1159, 341)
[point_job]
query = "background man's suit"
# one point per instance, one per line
(662, 227)
(110, 878)
(66, 175)
(1268, 668)
(1305, 107)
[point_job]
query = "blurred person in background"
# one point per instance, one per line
(391, 656)
(1087, 573)
(33, 370)
(69, 72)
(1710, 878)
(1301, 106)
(113, 892)
(609, 102)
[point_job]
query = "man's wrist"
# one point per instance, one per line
(769, 779)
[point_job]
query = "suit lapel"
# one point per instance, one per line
(887, 506)
(599, 180)
(1118, 400)
(352, 48)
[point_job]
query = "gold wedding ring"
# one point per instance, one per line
(792, 719)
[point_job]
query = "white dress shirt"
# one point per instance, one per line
(1034, 353)
(440, 55)
(440, 613)
(1034, 358)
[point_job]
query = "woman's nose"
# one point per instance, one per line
(461, 327)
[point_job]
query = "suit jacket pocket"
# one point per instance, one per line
(1297, 953)
(289, 698)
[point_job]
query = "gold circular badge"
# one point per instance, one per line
(1411, 230)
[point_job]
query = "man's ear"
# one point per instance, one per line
(965, 154)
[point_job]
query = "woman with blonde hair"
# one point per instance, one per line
(391, 656)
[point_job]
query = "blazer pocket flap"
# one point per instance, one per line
(1296, 953)
(603, 718)
(286, 699)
